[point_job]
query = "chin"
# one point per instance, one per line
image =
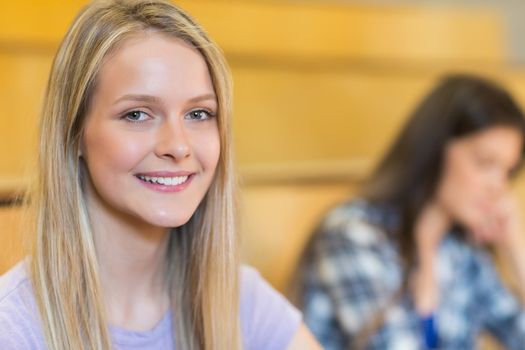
(171, 223)
(167, 220)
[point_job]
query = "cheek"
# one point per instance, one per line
(108, 153)
(454, 183)
(465, 177)
(460, 190)
(207, 149)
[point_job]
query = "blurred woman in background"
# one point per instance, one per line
(405, 265)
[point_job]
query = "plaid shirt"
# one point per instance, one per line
(354, 271)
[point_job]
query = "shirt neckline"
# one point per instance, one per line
(123, 336)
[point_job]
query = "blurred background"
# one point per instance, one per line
(321, 88)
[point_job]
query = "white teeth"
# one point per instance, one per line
(166, 181)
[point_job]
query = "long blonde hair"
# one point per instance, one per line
(202, 259)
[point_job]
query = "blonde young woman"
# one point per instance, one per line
(135, 240)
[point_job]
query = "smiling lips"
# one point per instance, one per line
(166, 181)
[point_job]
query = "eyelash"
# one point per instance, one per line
(128, 114)
(208, 116)
(208, 113)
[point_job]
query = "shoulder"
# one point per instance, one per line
(14, 287)
(352, 250)
(355, 223)
(268, 320)
(19, 325)
(352, 238)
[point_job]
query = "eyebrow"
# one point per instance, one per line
(204, 97)
(149, 98)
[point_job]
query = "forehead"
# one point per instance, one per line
(495, 136)
(154, 63)
(502, 142)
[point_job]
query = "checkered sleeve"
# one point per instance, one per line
(502, 315)
(347, 284)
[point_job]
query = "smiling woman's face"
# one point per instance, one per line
(151, 141)
(476, 173)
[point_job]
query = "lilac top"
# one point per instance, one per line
(268, 321)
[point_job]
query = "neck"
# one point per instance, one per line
(131, 259)
(131, 256)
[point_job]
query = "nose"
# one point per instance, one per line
(172, 141)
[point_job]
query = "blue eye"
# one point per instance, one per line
(199, 114)
(136, 116)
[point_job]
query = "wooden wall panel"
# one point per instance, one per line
(328, 30)
(284, 116)
(36, 23)
(301, 29)
(277, 221)
(289, 123)
(22, 80)
(12, 247)
(315, 83)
